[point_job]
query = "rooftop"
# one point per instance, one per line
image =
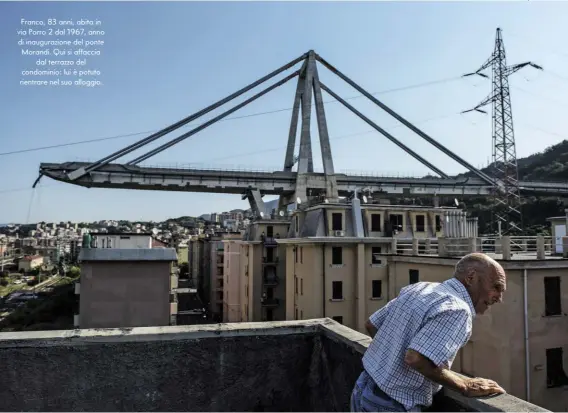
(124, 254)
(308, 365)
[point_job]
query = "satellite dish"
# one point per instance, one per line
(298, 200)
(456, 202)
(364, 199)
(262, 214)
(281, 213)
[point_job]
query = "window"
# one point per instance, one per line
(396, 221)
(297, 224)
(337, 221)
(438, 223)
(301, 255)
(552, 302)
(377, 289)
(420, 223)
(555, 375)
(336, 255)
(413, 275)
(296, 313)
(269, 315)
(375, 222)
(301, 286)
(270, 293)
(270, 231)
(301, 314)
(296, 284)
(337, 290)
(375, 251)
(338, 318)
(270, 254)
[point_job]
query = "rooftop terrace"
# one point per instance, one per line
(276, 366)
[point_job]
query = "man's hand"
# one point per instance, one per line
(478, 387)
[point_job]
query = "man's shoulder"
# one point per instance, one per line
(437, 297)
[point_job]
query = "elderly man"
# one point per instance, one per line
(418, 334)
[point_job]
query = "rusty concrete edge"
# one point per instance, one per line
(501, 403)
(189, 332)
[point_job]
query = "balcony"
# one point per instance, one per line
(321, 358)
(270, 261)
(268, 240)
(269, 302)
(271, 280)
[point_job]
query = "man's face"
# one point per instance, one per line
(486, 287)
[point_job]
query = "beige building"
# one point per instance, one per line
(29, 262)
(254, 279)
(215, 282)
(127, 288)
(347, 277)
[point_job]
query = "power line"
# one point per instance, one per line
(332, 138)
(399, 89)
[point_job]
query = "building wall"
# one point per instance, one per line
(123, 241)
(216, 277)
(497, 347)
(232, 283)
(183, 254)
(124, 294)
(29, 264)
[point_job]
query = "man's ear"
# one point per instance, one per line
(469, 277)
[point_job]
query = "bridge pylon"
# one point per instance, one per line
(308, 90)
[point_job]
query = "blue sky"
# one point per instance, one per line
(163, 61)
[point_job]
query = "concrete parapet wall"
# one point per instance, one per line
(274, 366)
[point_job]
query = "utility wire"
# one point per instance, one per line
(399, 89)
(332, 138)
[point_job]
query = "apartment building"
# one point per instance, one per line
(254, 273)
(232, 312)
(215, 283)
(347, 260)
(29, 262)
(122, 240)
(132, 287)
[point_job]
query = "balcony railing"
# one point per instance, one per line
(271, 280)
(268, 240)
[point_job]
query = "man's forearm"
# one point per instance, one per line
(440, 375)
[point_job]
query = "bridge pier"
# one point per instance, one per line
(256, 203)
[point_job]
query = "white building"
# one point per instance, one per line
(122, 240)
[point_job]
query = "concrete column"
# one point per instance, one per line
(393, 246)
(498, 246)
(540, 252)
(428, 246)
(475, 227)
(414, 246)
(442, 247)
(506, 247)
(472, 245)
(361, 311)
(392, 280)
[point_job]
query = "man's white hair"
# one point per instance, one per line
(477, 261)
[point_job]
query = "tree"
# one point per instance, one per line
(74, 272)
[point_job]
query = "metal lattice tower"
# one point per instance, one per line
(507, 204)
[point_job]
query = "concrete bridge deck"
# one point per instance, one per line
(273, 183)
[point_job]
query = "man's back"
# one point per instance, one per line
(433, 319)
